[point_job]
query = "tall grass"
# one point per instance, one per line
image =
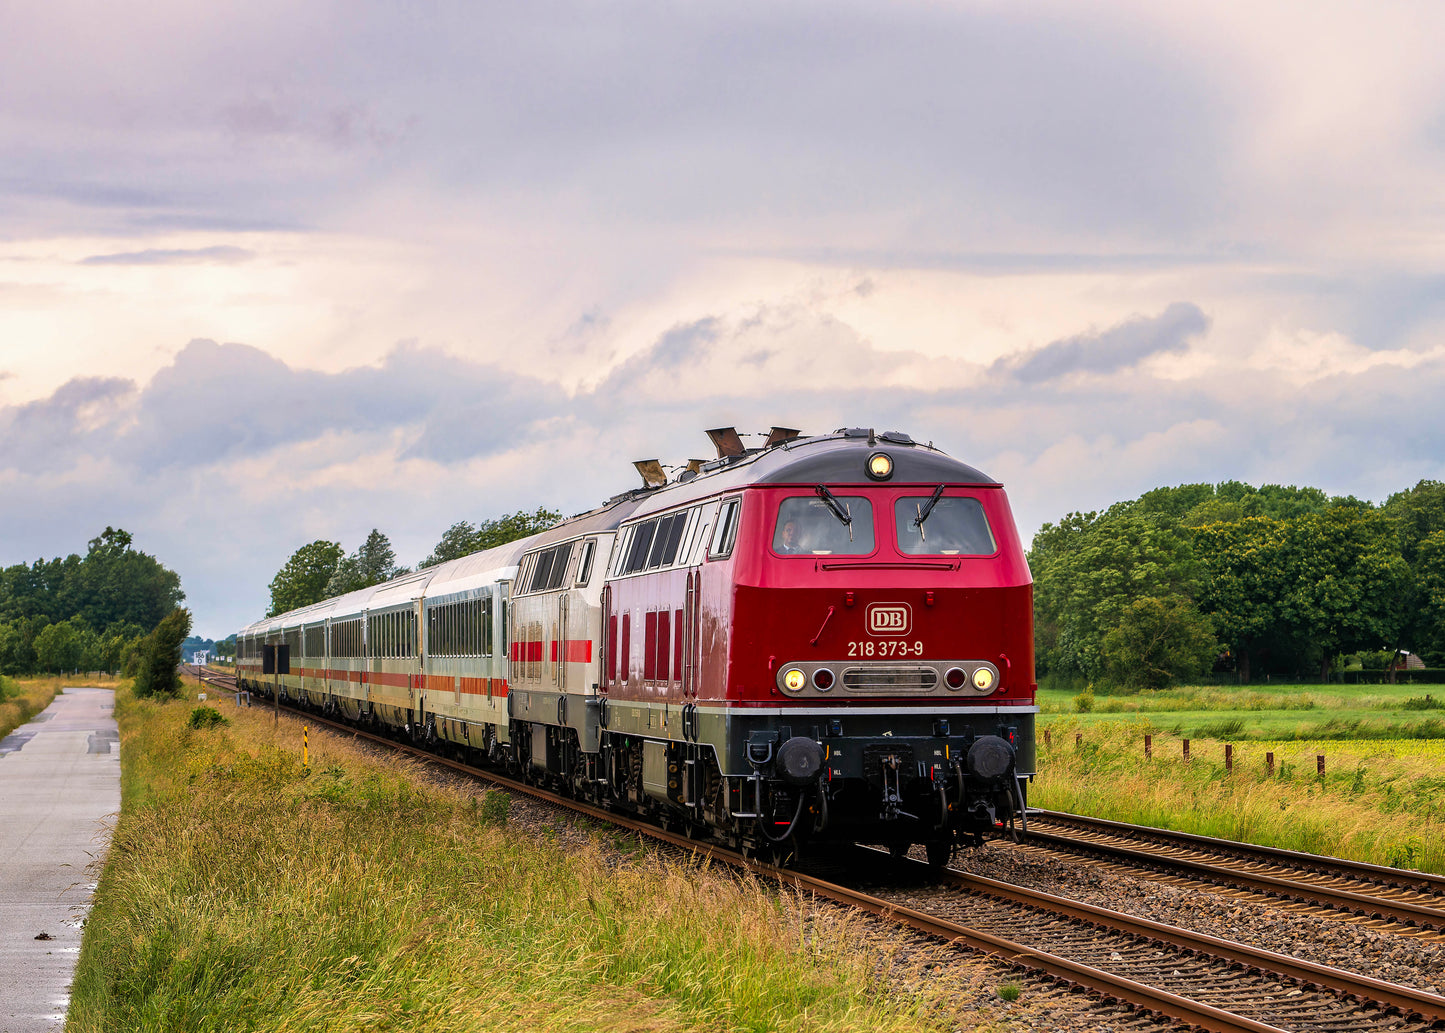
(246, 892)
(1370, 806)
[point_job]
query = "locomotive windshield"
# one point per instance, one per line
(954, 527)
(808, 527)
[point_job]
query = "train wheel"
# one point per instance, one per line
(939, 851)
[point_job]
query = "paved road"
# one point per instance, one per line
(59, 794)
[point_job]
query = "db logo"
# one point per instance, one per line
(889, 618)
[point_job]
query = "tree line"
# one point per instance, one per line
(323, 569)
(94, 612)
(1239, 581)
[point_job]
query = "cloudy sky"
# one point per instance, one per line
(273, 271)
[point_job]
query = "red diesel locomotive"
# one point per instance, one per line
(824, 639)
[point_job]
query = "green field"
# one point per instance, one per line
(1269, 711)
(1381, 798)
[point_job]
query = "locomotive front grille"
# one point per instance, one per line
(899, 681)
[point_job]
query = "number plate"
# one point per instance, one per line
(886, 648)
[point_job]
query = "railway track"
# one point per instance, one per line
(1201, 981)
(1410, 903)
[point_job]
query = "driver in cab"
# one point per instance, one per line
(789, 542)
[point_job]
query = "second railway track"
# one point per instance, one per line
(1412, 902)
(1202, 981)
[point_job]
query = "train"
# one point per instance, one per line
(817, 640)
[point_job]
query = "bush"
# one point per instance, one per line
(207, 717)
(1084, 701)
(1376, 660)
(1426, 702)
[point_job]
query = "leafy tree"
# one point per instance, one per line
(1427, 623)
(115, 583)
(371, 564)
(107, 651)
(1305, 588)
(1158, 642)
(17, 649)
(112, 584)
(1418, 516)
(159, 655)
(1088, 569)
(464, 538)
(305, 577)
(59, 647)
(1285, 575)
(1344, 573)
(1239, 589)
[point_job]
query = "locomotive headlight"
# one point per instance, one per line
(794, 680)
(880, 466)
(983, 679)
(822, 679)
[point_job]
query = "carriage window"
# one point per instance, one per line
(584, 565)
(726, 531)
(807, 526)
(551, 568)
(953, 527)
(637, 551)
(668, 538)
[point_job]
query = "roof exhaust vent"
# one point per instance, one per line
(778, 435)
(651, 471)
(695, 465)
(727, 442)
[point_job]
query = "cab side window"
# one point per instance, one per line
(725, 533)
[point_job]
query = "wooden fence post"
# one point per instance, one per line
(1320, 764)
(1186, 750)
(1229, 758)
(1078, 738)
(1046, 737)
(1269, 763)
(1148, 746)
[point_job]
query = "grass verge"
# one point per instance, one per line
(244, 891)
(1380, 802)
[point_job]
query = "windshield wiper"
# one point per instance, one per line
(840, 511)
(925, 509)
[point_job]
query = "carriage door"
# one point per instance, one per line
(561, 643)
(689, 643)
